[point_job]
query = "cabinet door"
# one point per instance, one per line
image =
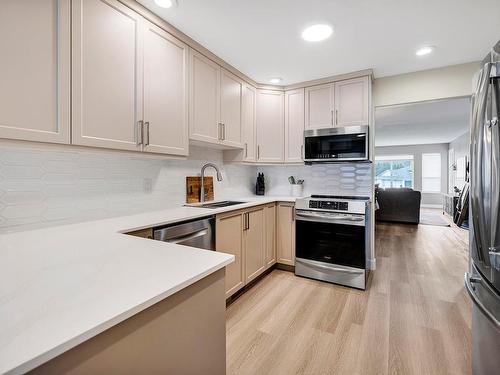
(106, 75)
(254, 236)
(230, 110)
(270, 229)
(294, 125)
(229, 239)
(204, 99)
(165, 92)
(319, 106)
(270, 126)
(248, 100)
(35, 70)
(286, 234)
(351, 102)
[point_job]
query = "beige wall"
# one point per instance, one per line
(447, 82)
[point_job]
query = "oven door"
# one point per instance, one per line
(336, 144)
(329, 238)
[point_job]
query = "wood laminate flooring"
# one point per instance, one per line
(414, 317)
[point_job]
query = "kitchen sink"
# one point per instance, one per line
(218, 204)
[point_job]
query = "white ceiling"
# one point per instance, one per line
(262, 39)
(439, 121)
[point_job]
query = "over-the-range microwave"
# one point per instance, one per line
(348, 143)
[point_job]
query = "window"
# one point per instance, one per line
(395, 171)
(431, 173)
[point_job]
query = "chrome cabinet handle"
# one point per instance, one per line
(293, 213)
(336, 116)
(146, 126)
(219, 131)
(139, 133)
(246, 150)
(258, 152)
(302, 151)
(248, 220)
(223, 131)
(331, 117)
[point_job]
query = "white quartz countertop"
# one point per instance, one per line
(62, 285)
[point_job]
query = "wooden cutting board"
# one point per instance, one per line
(193, 187)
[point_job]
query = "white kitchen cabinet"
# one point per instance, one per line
(254, 243)
(270, 231)
(248, 123)
(294, 126)
(204, 99)
(165, 92)
(215, 103)
(229, 239)
(270, 126)
(352, 102)
(35, 70)
(129, 81)
(286, 233)
(106, 75)
(319, 106)
(230, 108)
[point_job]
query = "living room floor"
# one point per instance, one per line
(414, 317)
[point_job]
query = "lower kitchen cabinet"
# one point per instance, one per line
(229, 239)
(286, 234)
(270, 230)
(253, 243)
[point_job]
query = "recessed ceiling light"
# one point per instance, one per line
(317, 33)
(275, 80)
(424, 50)
(164, 3)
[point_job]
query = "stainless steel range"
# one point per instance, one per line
(333, 239)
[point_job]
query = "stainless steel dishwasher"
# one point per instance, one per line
(196, 233)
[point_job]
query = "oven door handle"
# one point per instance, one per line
(360, 220)
(329, 268)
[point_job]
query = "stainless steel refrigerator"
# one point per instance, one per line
(483, 280)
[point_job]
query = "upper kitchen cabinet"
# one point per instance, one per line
(342, 103)
(165, 93)
(248, 122)
(294, 125)
(204, 99)
(107, 75)
(319, 106)
(230, 108)
(129, 81)
(35, 70)
(352, 102)
(214, 104)
(270, 126)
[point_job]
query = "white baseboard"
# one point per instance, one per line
(372, 264)
(431, 206)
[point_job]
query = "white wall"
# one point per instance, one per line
(447, 82)
(461, 148)
(44, 185)
(417, 151)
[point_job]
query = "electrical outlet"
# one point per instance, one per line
(147, 185)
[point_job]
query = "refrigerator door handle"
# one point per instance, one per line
(469, 281)
(494, 254)
(477, 150)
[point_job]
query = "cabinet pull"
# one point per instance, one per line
(219, 131)
(138, 133)
(223, 131)
(248, 220)
(246, 150)
(293, 213)
(258, 152)
(146, 126)
(302, 151)
(336, 116)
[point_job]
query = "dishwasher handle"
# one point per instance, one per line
(188, 237)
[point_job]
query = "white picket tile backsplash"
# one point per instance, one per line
(45, 185)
